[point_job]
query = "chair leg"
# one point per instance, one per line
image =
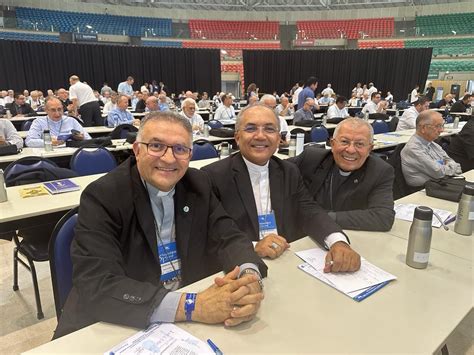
(40, 314)
(15, 269)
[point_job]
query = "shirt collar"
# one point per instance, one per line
(155, 192)
(422, 140)
(50, 121)
(254, 168)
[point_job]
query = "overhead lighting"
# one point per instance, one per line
(454, 32)
(89, 27)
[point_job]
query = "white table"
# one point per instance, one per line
(300, 314)
(91, 130)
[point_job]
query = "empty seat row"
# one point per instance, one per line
(169, 44)
(460, 23)
(25, 36)
(210, 29)
(451, 66)
(231, 45)
(451, 46)
(381, 44)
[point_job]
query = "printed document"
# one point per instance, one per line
(405, 211)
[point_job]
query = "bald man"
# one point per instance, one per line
(83, 98)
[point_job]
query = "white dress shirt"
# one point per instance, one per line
(408, 119)
(334, 111)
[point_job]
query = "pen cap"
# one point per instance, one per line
(423, 213)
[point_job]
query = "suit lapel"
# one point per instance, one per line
(319, 175)
(242, 180)
(184, 211)
(277, 189)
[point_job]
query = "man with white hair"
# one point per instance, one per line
(354, 187)
(328, 90)
(189, 111)
(270, 101)
(151, 104)
(285, 108)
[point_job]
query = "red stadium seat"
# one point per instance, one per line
(211, 29)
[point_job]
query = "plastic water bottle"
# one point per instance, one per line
(397, 112)
(48, 143)
(3, 189)
(366, 116)
(419, 240)
(456, 122)
(465, 215)
(299, 143)
(292, 146)
(9, 114)
(225, 152)
(325, 120)
(206, 130)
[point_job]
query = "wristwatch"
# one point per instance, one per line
(253, 272)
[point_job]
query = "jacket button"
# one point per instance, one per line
(126, 296)
(132, 298)
(138, 299)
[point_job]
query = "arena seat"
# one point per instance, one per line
(29, 36)
(451, 46)
(450, 65)
(231, 45)
(383, 44)
(461, 23)
(214, 29)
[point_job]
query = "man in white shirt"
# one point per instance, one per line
(9, 134)
(83, 99)
(375, 105)
(371, 89)
(408, 119)
(125, 88)
(296, 93)
(226, 110)
(189, 111)
(338, 109)
(270, 101)
(414, 94)
(285, 108)
(358, 91)
(329, 91)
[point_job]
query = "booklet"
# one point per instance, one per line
(61, 186)
(357, 285)
(162, 338)
(405, 211)
(33, 191)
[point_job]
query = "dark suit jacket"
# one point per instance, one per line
(116, 267)
(461, 148)
(296, 214)
(24, 109)
(364, 201)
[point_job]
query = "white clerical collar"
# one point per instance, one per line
(153, 191)
(254, 168)
(344, 173)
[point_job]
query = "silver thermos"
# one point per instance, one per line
(292, 146)
(465, 215)
(3, 189)
(419, 240)
(456, 122)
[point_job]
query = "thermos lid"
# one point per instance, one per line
(423, 213)
(468, 190)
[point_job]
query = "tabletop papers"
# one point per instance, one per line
(357, 285)
(405, 211)
(162, 338)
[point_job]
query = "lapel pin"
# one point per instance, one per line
(356, 181)
(186, 209)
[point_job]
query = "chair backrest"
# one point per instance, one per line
(215, 124)
(400, 186)
(25, 126)
(30, 170)
(319, 134)
(380, 127)
(60, 258)
(378, 116)
(393, 123)
(202, 149)
(88, 161)
(121, 131)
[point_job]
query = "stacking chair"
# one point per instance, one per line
(400, 186)
(25, 126)
(60, 258)
(203, 149)
(32, 243)
(319, 134)
(89, 161)
(380, 127)
(121, 131)
(215, 124)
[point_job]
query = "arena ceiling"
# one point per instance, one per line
(270, 5)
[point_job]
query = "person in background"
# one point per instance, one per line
(9, 134)
(308, 91)
(285, 108)
(105, 88)
(189, 111)
(84, 100)
(112, 104)
(225, 111)
(408, 119)
(120, 115)
(338, 109)
(461, 148)
(462, 105)
(152, 104)
(429, 91)
(126, 88)
(354, 101)
(296, 93)
(306, 112)
(375, 105)
(447, 101)
(204, 103)
(414, 94)
(389, 98)
(19, 108)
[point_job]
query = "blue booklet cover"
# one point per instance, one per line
(60, 186)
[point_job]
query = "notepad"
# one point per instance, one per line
(61, 186)
(33, 191)
(405, 211)
(162, 338)
(358, 285)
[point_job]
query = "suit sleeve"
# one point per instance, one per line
(379, 214)
(99, 276)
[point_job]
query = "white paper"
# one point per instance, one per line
(405, 211)
(162, 338)
(368, 274)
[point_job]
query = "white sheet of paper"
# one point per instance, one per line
(368, 274)
(405, 212)
(164, 339)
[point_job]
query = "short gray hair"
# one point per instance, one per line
(188, 100)
(425, 117)
(355, 122)
(166, 116)
(267, 97)
(238, 121)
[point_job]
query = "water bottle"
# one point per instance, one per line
(419, 240)
(465, 215)
(225, 152)
(366, 116)
(469, 111)
(9, 114)
(3, 189)
(206, 130)
(299, 143)
(397, 112)
(292, 146)
(48, 143)
(456, 122)
(325, 120)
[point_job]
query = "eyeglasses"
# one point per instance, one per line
(157, 149)
(55, 109)
(268, 129)
(437, 126)
(347, 143)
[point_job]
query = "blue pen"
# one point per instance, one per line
(214, 347)
(370, 291)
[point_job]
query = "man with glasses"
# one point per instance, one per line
(375, 104)
(150, 227)
(120, 115)
(189, 111)
(306, 112)
(408, 119)
(20, 108)
(225, 111)
(422, 158)
(267, 198)
(354, 187)
(60, 127)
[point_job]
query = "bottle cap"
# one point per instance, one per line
(468, 190)
(423, 213)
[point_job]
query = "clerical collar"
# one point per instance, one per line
(254, 168)
(153, 191)
(344, 173)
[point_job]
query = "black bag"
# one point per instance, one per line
(447, 188)
(223, 132)
(9, 149)
(305, 123)
(94, 142)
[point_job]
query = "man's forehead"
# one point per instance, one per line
(354, 130)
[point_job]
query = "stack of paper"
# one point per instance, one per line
(405, 211)
(357, 285)
(61, 186)
(162, 338)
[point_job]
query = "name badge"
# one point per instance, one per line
(170, 262)
(267, 225)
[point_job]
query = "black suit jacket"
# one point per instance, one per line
(24, 109)
(461, 148)
(116, 267)
(296, 214)
(364, 201)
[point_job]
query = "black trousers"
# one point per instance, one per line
(91, 115)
